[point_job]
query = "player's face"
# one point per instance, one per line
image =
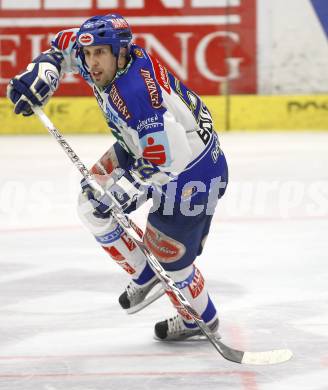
(101, 63)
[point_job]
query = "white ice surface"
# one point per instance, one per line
(265, 263)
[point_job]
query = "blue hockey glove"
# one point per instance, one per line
(120, 186)
(33, 87)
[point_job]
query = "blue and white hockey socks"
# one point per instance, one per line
(191, 282)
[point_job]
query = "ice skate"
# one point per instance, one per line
(174, 329)
(136, 297)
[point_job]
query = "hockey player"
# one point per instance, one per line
(165, 149)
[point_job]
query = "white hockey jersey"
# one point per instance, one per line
(153, 115)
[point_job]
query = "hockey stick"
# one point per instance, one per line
(267, 357)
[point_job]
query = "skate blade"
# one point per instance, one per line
(191, 339)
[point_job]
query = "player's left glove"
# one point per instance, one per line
(120, 189)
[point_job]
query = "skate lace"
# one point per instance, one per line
(132, 289)
(175, 324)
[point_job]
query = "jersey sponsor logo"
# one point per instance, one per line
(197, 284)
(154, 153)
(112, 117)
(64, 39)
(119, 23)
(149, 125)
(156, 148)
(111, 236)
(119, 102)
(152, 88)
(165, 248)
(86, 39)
(161, 74)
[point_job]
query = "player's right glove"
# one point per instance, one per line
(121, 189)
(33, 87)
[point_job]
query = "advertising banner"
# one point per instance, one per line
(209, 44)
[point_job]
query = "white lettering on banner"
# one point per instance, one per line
(200, 57)
(179, 64)
(199, 20)
(169, 3)
(115, 4)
(108, 4)
(214, 3)
(35, 44)
(11, 58)
(23, 4)
(152, 43)
(67, 4)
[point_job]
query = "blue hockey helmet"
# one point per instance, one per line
(111, 29)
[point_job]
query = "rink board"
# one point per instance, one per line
(241, 112)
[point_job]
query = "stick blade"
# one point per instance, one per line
(268, 357)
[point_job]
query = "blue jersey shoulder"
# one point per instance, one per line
(137, 96)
